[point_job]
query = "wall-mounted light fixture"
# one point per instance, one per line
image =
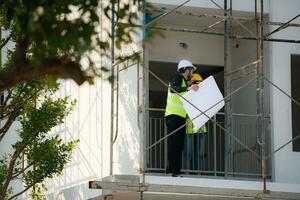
(183, 45)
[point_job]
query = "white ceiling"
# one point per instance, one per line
(175, 19)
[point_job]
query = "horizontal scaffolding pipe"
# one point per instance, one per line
(242, 19)
(280, 24)
(211, 172)
(219, 113)
(162, 28)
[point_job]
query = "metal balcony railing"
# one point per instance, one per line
(240, 162)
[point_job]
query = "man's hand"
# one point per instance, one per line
(193, 87)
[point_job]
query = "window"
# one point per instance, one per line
(295, 86)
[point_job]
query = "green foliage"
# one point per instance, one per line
(49, 157)
(48, 26)
(34, 106)
(37, 191)
(52, 33)
(39, 121)
(3, 170)
(70, 29)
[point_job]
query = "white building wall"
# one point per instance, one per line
(127, 145)
(202, 49)
(286, 162)
(90, 120)
(90, 123)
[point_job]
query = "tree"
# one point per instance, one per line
(35, 155)
(52, 37)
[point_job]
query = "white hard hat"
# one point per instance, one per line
(184, 63)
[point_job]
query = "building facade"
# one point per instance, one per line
(121, 126)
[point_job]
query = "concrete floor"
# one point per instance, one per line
(119, 187)
(166, 196)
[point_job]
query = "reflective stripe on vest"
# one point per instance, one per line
(174, 103)
(189, 127)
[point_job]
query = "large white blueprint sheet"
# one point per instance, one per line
(207, 99)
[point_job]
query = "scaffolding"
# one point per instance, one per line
(227, 19)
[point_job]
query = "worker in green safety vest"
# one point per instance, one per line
(194, 146)
(175, 115)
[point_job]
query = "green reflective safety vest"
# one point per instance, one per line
(189, 127)
(174, 103)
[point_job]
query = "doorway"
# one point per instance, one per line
(214, 148)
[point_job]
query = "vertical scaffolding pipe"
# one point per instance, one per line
(112, 87)
(260, 97)
(142, 137)
(230, 86)
(258, 136)
(264, 166)
(257, 33)
(143, 99)
(227, 91)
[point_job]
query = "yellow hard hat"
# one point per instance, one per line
(197, 77)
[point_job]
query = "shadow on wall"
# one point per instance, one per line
(86, 162)
(127, 144)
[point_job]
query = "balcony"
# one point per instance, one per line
(223, 155)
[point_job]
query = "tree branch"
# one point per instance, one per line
(61, 68)
(3, 116)
(19, 55)
(11, 165)
(19, 193)
(5, 41)
(9, 92)
(22, 171)
(3, 104)
(6, 126)
(9, 174)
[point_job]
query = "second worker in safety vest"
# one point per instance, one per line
(175, 115)
(194, 146)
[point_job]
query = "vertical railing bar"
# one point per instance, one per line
(194, 140)
(163, 144)
(249, 143)
(160, 145)
(208, 153)
(234, 128)
(215, 145)
(151, 142)
(242, 134)
(247, 138)
(155, 139)
(166, 144)
(220, 150)
(239, 157)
